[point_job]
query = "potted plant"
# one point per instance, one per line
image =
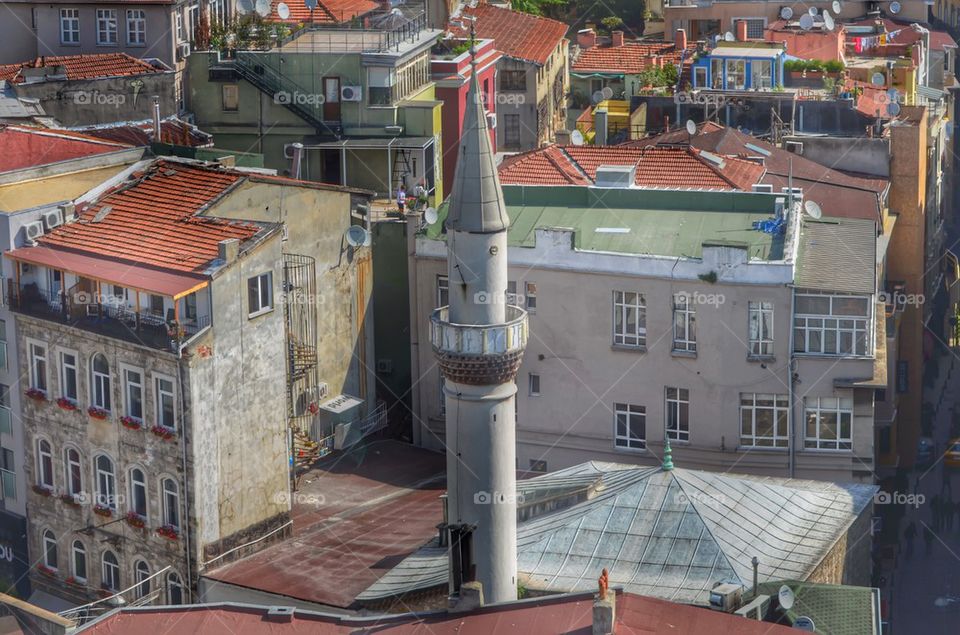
(45, 570)
(163, 432)
(70, 499)
(135, 520)
(72, 581)
(131, 422)
(43, 490)
(169, 532)
(97, 412)
(66, 403)
(102, 510)
(36, 394)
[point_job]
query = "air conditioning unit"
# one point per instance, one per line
(184, 50)
(756, 609)
(53, 218)
(32, 231)
(350, 93)
(763, 187)
(394, 130)
(69, 212)
(796, 192)
(726, 597)
(795, 147)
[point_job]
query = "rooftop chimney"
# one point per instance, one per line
(471, 597)
(563, 137)
(586, 38)
(156, 119)
(604, 608)
(681, 39)
(616, 38)
(741, 30)
(228, 250)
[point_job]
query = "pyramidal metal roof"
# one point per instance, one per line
(476, 203)
(671, 534)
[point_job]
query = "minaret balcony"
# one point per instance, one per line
(479, 354)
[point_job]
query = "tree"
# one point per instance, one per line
(611, 23)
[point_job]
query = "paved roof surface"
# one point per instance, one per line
(326, 11)
(669, 534)
(837, 254)
(835, 609)
(89, 66)
(519, 35)
(938, 39)
(173, 131)
(355, 516)
(24, 147)
(25, 194)
(631, 57)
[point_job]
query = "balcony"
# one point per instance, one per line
(113, 320)
(479, 354)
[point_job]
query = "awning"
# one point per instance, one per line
(409, 143)
(175, 285)
(931, 93)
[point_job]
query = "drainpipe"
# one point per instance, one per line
(297, 160)
(156, 119)
(791, 442)
(186, 481)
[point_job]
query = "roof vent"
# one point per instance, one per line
(763, 187)
(280, 613)
(622, 176)
(713, 158)
(102, 213)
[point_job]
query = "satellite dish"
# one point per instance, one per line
(804, 623)
(828, 21)
(597, 96)
(786, 597)
(728, 36)
(691, 127)
(244, 6)
(813, 211)
(893, 109)
(894, 8)
(607, 92)
(262, 7)
(357, 236)
(431, 216)
(786, 13)
(837, 7)
(877, 79)
(576, 138)
(893, 94)
(806, 21)
(310, 4)
(812, 11)
(283, 11)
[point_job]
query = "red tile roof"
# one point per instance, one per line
(632, 57)
(172, 131)
(327, 11)
(519, 35)
(675, 167)
(24, 147)
(91, 66)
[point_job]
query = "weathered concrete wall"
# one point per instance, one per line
(870, 156)
(19, 42)
(391, 310)
(849, 561)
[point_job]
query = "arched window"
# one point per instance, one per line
(44, 463)
(138, 492)
(171, 503)
(106, 482)
(174, 589)
(49, 549)
(110, 572)
(101, 382)
(79, 561)
(142, 574)
(74, 471)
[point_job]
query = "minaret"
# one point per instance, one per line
(479, 343)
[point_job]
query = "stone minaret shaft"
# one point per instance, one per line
(479, 343)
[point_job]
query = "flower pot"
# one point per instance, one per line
(66, 404)
(103, 510)
(36, 394)
(136, 521)
(131, 423)
(42, 490)
(97, 413)
(163, 433)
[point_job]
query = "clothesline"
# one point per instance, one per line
(870, 41)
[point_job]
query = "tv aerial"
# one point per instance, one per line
(576, 138)
(310, 4)
(244, 6)
(804, 623)
(812, 11)
(607, 92)
(893, 109)
(812, 209)
(878, 79)
(283, 11)
(357, 236)
(837, 7)
(728, 37)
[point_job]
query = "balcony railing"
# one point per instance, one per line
(479, 339)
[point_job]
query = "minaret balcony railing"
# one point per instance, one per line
(480, 354)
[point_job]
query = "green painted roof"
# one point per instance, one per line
(660, 222)
(834, 609)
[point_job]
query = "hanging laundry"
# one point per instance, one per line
(858, 44)
(883, 39)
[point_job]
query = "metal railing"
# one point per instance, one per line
(479, 339)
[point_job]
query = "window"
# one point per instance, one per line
(136, 27)
(49, 549)
(510, 295)
(133, 392)
(755, 27)
(142, 575)
(380, 81)
(106, 482)
(68, 375)
(736, 74)
(106, 27)
(171, 503)
(260, 294)
(44, 464)
(513, 80)
(166, 412)
(110, 572)
(832, 325)
(3, 345)
(700, 77)
(829, 423)
(156, 304)
(716, 73)
(8, 474)
(534, 381)
(511, 130)
(100, 371)
(69, 26)
(678, 414)
(138, 492)
(531, 291)
(629, 319)
(174, 589)
(761, 74)
(763, 420)
(443, 291)
(684, 324)
(230, 94)
(38, 366)
(179, 22)
(761, 329)
(79, 569)
(6, 415)
(74, 471)
(630, 426)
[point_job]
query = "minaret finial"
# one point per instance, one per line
(667, 464)
(473, 45)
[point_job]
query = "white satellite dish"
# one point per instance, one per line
(576, 138)
(828, 21)
(431, 216)
(804, 623)
(837, 7)
(728, 36)
(262, 7)
(607, 92)
(786, 597)
(244, 6)
(877, 79)
(283, 11)
(310, 4)
(894, 8)
(357, 236)
(812, 209)
(691, 127)
(806, 21)
(893, 109)
(786, 13)
(812, 11)
(893, 94)
(597, 96)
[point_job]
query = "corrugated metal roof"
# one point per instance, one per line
(835, 609)
(837, 254)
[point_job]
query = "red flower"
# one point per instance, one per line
(102, 510)
(36, 394)
(43, 490)
(45, 570)
(97, 413)
(135, 520)
(67, 403)
(163, 432)
(169, 532)
(131, 422)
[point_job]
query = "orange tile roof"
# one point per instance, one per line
(664, 167)
(91, 66)
(632, 57)
(518, 35)
(25, 146)
(327, 11)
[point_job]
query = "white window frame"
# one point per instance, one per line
(107, 36)
(832, 323)
(100, 384)
(759, 330)
(125, 370)
(533, 384)
(48, 538)
(748, 20)
(750, 407)
(141, 578)
(106, 480)
(170, 503)
(69, 26)
(73, 561)
(159, 394)
(4, 362)
(69, 465)
(110, 572)
(44, 463)
(39, 372)
(818, 407)
(684, 324)
(443, 291)
(629, 413)
(674, 405)
(178, 19)
(174, 580)
(141, 484)
(621, 309)
(75, 367)
(530, 291)
(261, 306)
(136, 26)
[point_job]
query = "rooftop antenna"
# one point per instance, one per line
(728, 37)
(283, 11)
(262, 7)
(812, 11)
(576, 138)
(431, 215)
(310, 4)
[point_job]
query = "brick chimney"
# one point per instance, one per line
(604, 608)
(741, 30)
(586, 38)
(616, 38)
(681, 39)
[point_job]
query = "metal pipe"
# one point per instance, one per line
(756, 564)
(297, 160)
(156, 119)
